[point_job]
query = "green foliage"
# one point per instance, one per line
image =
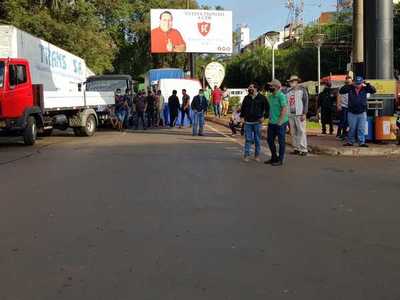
(300, 59)
(234, 102)
(113, 36)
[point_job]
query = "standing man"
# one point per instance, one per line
(225, 102)
(199, 107)
(327, 101)
(185, 108)
(141, 107)
(297, 97)
(357, 115)
(173, 106)
(216, 97)
(278, 121)
(253, 111)
(343, 108)
(151, 108)
(160, 109)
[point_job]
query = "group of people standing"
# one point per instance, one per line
(194, 110)
(130, 111)
(351, 102)
(283, 108)
(220, 101)
(288, 107)
(147, 110)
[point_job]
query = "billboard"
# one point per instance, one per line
(191, 31)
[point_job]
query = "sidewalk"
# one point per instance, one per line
(329, 145)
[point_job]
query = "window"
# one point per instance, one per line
(1, 74)
(21, 74)
(12, 75)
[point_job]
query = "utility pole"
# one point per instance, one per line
(358, 37)
(378, 20)
(192, 59)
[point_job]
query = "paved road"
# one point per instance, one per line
(163, 215)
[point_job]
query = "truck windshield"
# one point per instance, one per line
(1, 74)
(106, 85)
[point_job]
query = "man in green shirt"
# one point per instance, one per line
(278, 121)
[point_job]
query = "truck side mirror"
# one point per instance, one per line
(79, 87)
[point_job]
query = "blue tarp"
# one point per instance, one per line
(157, 74)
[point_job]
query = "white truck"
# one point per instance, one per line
(42, 87)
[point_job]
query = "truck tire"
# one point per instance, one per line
(90, 127)
(30, 131)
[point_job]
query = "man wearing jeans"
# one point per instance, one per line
(199, 107)
(278, 120)
(253, 111)
(357, 115)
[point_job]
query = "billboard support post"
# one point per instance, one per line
(192, 62)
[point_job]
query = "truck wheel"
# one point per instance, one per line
(90, 127)
(30, 132)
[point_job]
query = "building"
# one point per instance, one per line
(327, 18)
(243, 38)
(261, 41)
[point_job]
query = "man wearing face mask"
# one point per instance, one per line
(199, 107)
(297, 97)
(254, 109)
(327, 101)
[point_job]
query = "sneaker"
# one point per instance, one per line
(348, 145)
(246, 159)
(303, 153)
(277, 163)
(364, 146)
(257, 159)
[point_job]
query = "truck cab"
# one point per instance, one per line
(18, 111)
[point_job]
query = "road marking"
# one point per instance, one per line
(225, 135)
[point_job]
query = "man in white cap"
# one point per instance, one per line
(297, 97)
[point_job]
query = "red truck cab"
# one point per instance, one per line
(19, 114)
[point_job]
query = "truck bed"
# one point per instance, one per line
(73, 100)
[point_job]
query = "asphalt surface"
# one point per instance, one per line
(163, 215)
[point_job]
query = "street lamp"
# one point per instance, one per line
(272, 37)
(318, 41)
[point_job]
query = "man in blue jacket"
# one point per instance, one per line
(357, 114)
(199, 107)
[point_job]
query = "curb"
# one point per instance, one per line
(391, 150)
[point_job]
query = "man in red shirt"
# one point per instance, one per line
(164, 38)
(216, 97)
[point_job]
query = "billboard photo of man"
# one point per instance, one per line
(166, 39)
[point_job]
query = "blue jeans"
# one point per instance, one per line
(252, 134)
(357, 123)
(274, 131)
(198, 122)
(217, 110)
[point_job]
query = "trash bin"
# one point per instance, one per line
(385, 128)
(369, 129)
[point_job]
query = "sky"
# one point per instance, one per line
(266, 15)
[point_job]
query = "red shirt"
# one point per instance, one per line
(159, 40)
(216, 96)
